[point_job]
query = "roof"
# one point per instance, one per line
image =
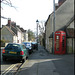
(14, 28)
(10, 30)
(64, 15)
(22, 30)
(69, 31)
(11, 27)
(48, 18)
(61, 0)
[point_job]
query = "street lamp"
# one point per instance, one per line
(37, 32)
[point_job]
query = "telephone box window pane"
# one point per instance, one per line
(63, 37)
(57, 37)
(57, 43)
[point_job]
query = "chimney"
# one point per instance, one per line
(9, 22)
(60, 2)
(13, 23)
(56, 6)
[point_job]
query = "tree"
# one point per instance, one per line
(31, 36)
(6, 2)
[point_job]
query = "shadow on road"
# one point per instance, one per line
(48, 64)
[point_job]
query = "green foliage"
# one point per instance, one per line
(31, 35)
(2, 43)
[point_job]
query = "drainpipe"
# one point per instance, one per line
(53, 25)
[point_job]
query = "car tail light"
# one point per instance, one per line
(21, 53)
(3, 51)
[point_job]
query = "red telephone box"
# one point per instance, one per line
(60, 42)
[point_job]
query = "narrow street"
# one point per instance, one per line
(28, 24)
(42, 63)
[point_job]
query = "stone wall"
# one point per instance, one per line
(50, 44)
(49, 30)
(70, 45)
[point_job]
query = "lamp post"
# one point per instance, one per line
(37, 32)
(53, 25)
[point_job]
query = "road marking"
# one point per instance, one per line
(24, 63)
(8, 69)
(22, 66)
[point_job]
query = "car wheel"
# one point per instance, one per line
(26, 57)
(23, 60)
(4, 58)
(30, 52)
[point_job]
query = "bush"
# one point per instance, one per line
(2, 44)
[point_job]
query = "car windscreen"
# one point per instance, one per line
(27, 44)
(34, 43)
(12, 46)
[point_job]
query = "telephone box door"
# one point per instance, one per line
(60, 42)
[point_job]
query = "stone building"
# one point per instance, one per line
(64, 20)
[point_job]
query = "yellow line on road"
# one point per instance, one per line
(8, 69)
(22, 66)
(24, 63)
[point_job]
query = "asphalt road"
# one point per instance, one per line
(40, 60)
(64, 64)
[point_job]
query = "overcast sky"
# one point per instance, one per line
(28, 11)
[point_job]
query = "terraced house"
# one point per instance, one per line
(64, 21)
(13, 33)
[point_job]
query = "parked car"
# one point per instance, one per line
(34, 45)
(15, 51)
(28, 47)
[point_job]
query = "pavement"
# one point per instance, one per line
(43, 63)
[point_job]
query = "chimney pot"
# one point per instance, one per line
(60, 2)
(9, 21)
